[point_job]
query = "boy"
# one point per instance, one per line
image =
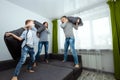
(28, 37)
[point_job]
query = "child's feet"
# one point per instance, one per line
(77, 66)
(14, 78)
(46, 61)
(63, 60)
(35, 64)
(31, 71)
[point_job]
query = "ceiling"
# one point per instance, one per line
(55, 8)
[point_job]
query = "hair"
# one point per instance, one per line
(63, 17)
(45, 23)
(27, 21)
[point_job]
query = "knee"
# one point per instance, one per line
(73, 49)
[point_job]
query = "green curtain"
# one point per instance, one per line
(115, 20)
(55, 37)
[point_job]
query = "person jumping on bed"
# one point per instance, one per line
(28, 38)
(70, 40)
(43, 41)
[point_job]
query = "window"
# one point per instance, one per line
(102, 33)
(94, 34)
(82, 36)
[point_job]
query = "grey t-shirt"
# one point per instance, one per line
(44, 35)
(68, 29)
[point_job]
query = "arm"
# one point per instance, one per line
(63, 25)
(75, 26)
(34, 29)
(16, 37)
(47, 31)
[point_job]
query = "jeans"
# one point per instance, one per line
(40, 44)
(25, 50)
(71, 42)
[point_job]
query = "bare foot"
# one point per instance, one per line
(63, 61)
(46, 61)
(14, 78)
(77, 66)
(31, 71)
(35, 64)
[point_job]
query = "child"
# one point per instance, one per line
(43, 41)
(28, 38)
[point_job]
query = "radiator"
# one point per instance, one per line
(90, 58)
(96, 59)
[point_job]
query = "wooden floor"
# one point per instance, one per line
(90, 75)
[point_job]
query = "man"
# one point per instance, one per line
(70, 40)
(43, 41)
(28, 38)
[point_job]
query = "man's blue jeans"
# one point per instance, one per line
(71, 42)
(25, 50)
(40, 44)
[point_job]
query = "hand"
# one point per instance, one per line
(31, 24)
(46, 28)
(38, 35)
(8, 34)
(28, 26)
(78, 20)
(66, 20)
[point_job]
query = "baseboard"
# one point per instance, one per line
(8, 64)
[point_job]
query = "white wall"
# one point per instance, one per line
(13, 17)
